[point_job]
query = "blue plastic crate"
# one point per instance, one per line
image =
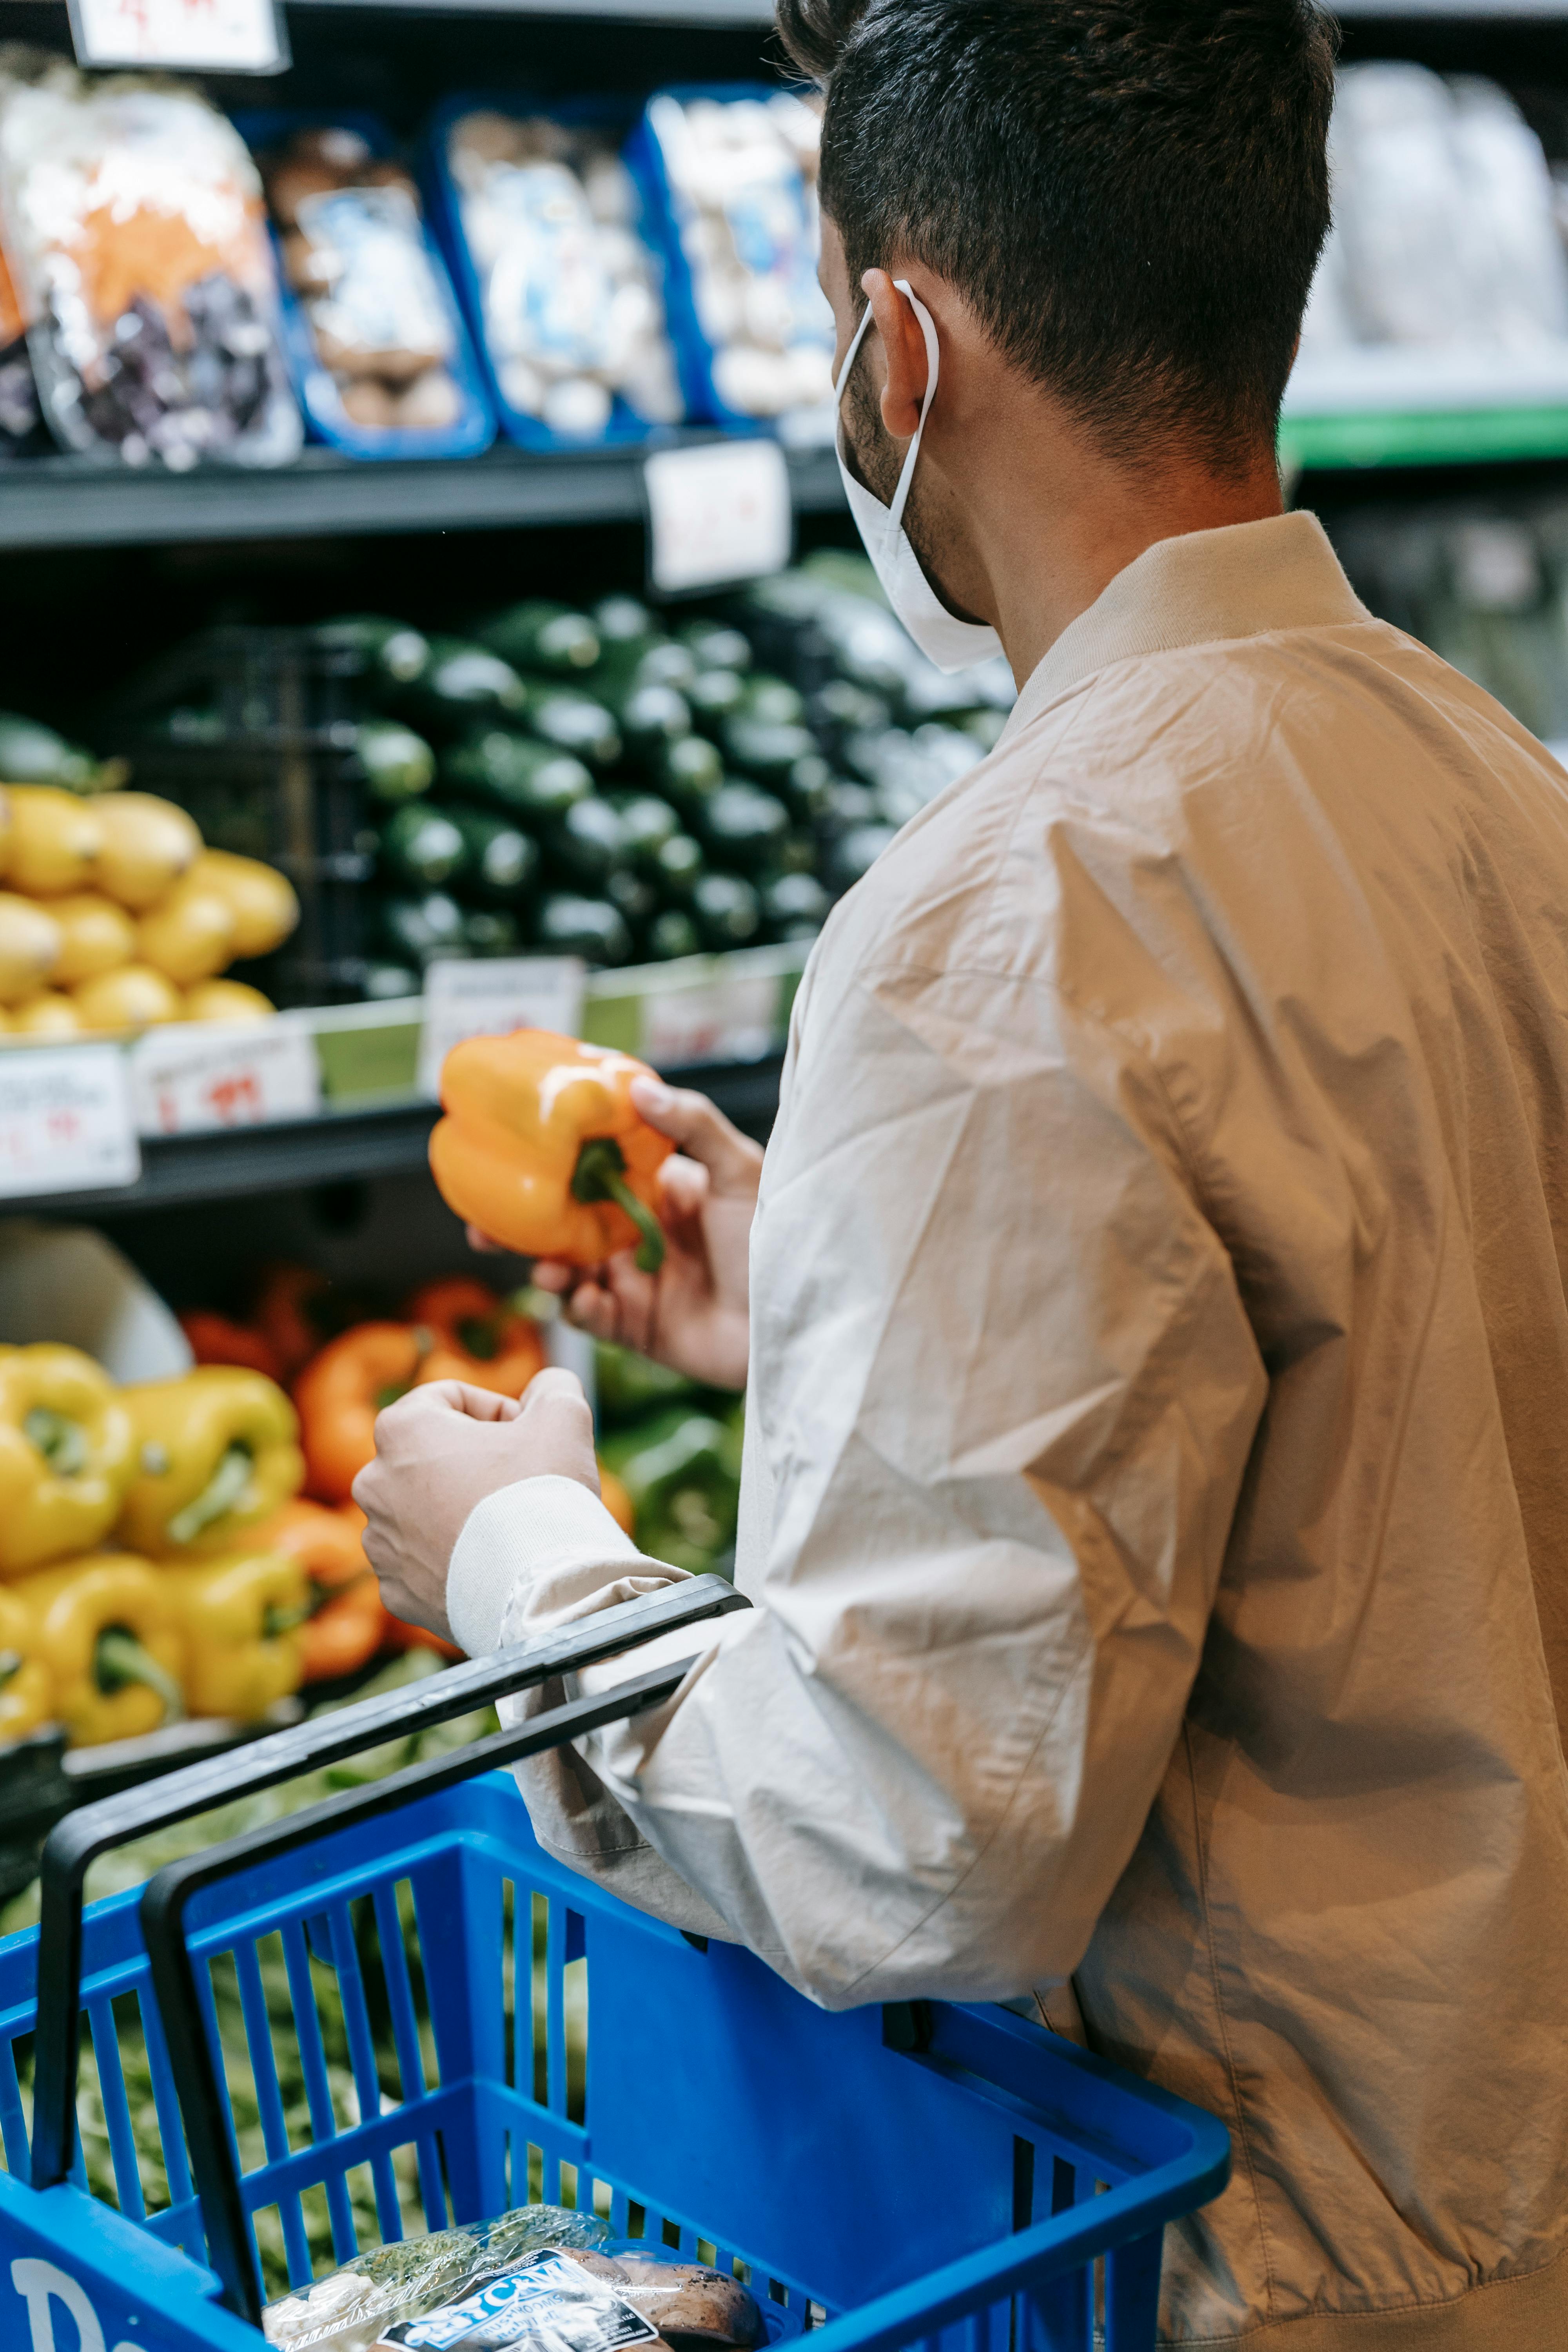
(928, 2176)
(474, 428)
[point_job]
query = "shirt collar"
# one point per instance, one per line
(1245, 580)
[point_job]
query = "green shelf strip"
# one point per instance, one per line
(1441, 438)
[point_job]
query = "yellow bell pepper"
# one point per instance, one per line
(108, 1631)
(65, 1455)
(243, 1618)
(217, 1453)
(27, 1688)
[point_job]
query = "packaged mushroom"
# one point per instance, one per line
(540, 2278)
(387, 338)
(569, 294)
(136, 235)
(739, 180)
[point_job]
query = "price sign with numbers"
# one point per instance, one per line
(718, 513)
(190, 1081)
(65, 1121)
(492, 998)
(189, 35)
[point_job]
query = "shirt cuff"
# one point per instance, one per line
(516, 1536)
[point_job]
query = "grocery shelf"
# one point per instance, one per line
(344, 1147)
(73, 502)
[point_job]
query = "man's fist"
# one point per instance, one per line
(439, 1451)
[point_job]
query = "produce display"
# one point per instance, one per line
(112, 914)
(675, 1450)
(135, 235)
(380, 313)
(741, 177)
(591, 784)
(19, 417)
(568, 291)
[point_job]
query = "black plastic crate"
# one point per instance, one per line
(253, 730)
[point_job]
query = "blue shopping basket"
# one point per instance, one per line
(923, 2175)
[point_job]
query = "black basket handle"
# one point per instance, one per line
(75, 1842)
(196, 2085)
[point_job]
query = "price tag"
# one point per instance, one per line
(492, 998)
(189, 35)
(718, 513)
(190, 1081)
(735, 1019)
(65, 1121)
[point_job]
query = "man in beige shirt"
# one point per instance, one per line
(1155, 1506)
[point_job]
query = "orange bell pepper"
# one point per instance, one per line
(542, 1148)
(616, 1501)
(340, 1392)
(345, 1627)
(217, 1340)
(477, 1338)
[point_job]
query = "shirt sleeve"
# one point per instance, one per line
(1003, 1393)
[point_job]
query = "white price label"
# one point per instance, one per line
(190, 35)
(190, 1081)
(717, 513)
(492, 998)
(65, 1121)
(729, 1019)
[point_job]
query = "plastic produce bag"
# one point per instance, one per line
(348, 2310)
(742, 175)
(570, 297)
(134, 226)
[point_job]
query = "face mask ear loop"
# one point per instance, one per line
(855, 341)
(933, 362)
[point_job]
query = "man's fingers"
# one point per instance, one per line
(483, 1242)
(553, 1273)
(702, 1131)
(684, 1185)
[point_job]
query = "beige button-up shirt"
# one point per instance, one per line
(1156, 1492)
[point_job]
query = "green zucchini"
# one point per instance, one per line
(531, 780)
(398, 765)
(621, 621)
(646, 825)
(688, 769)
(808, 786)
(33, 754)
(844, 709)
(646, 716)
(774, 702)
(672, 934)
(464, 682)
(412, 930)
(725, 910)
(423, 846)
(538, 634)
(487, 931)
(634, 894)
(714, 695)
(743, 827)
(584, 842)
(590, 928)
(766, 749)
(795, 906)
(393, 654)
(573, 722)
(501, 862)
(712, 644)
(677, 866)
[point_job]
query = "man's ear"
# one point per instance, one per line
(904, 353)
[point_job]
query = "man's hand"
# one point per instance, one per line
(694, 1314)
(440, 1450)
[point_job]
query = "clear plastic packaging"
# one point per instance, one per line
(739, 178)
(134, 225)
(568, 295)
(541, 2278)
(19, 417)
(380, 315)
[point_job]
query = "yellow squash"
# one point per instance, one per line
(65, 1455)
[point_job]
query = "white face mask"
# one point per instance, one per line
(949, 642)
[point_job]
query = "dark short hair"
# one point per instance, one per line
(1132, 194)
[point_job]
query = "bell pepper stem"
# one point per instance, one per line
(61, 1441)
(601, 1175)
(222, 1492)
(119, 1658)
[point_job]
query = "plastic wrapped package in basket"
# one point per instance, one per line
(134, 227)
(254, 730)
(544, 224)
(732, 172)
